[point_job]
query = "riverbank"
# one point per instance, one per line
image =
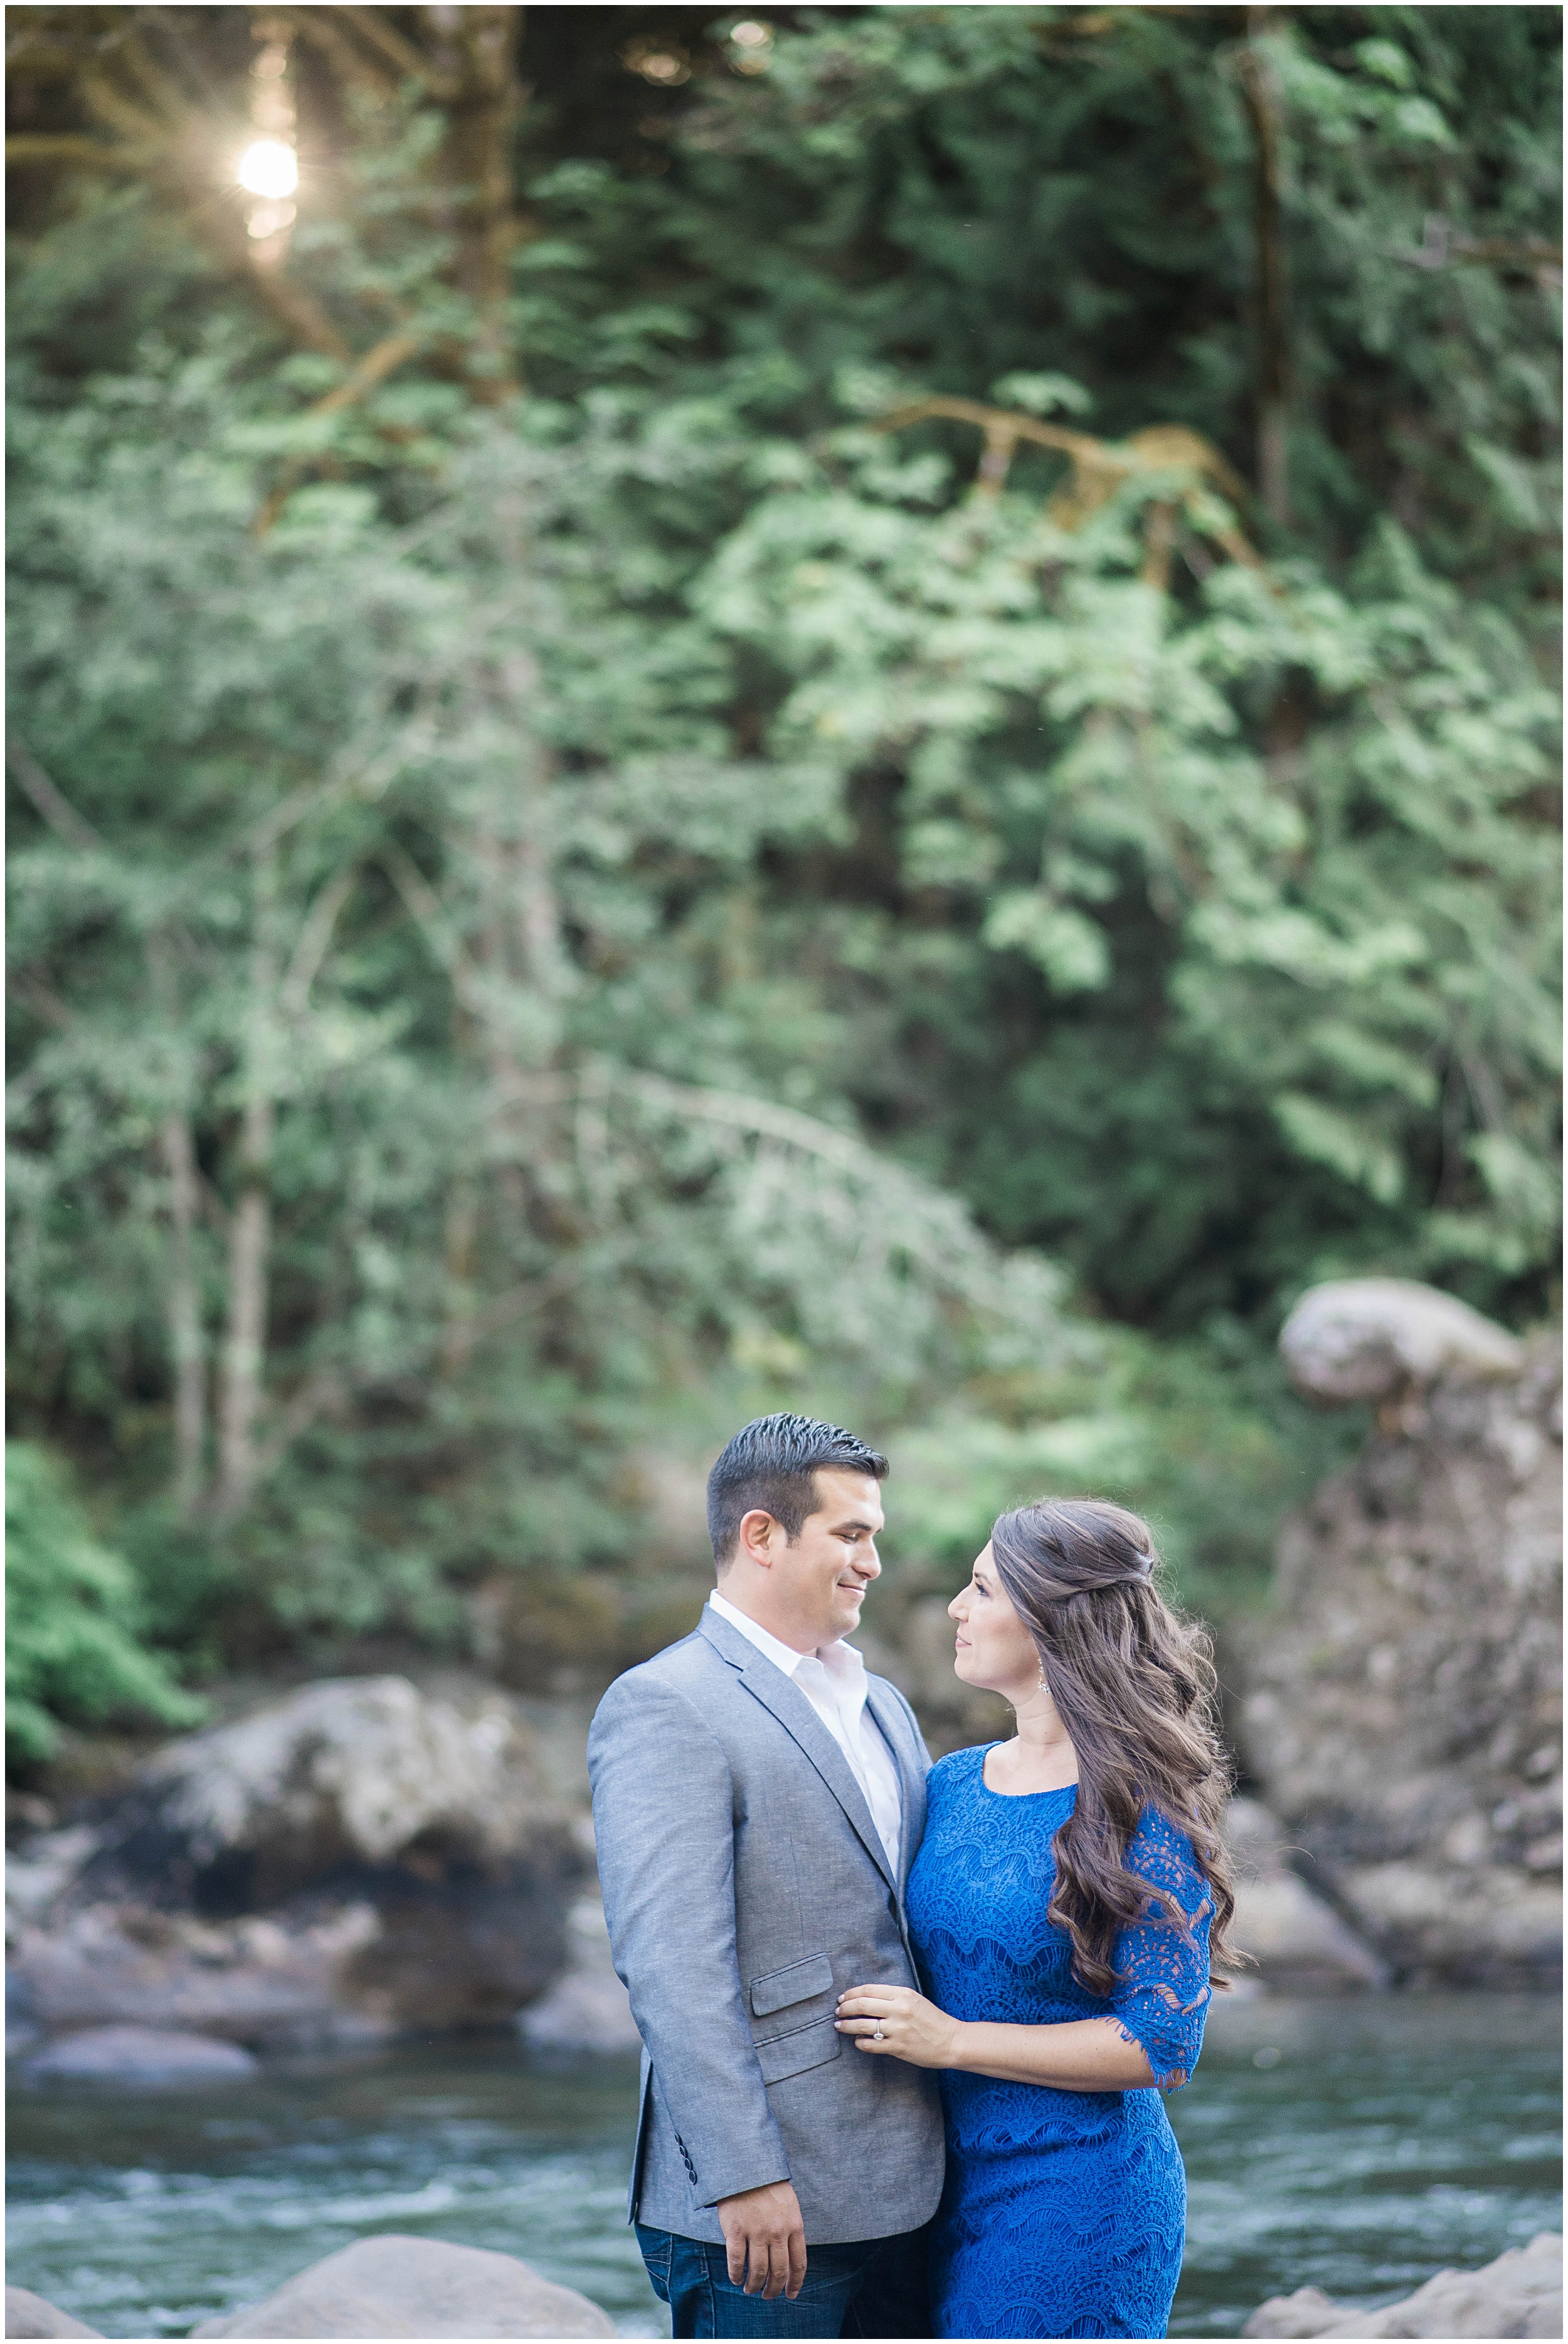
(1355, 2145)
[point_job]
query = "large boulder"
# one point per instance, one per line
(138, 2055)
(1296, 1941)
(1520, 2294)
(417, 2286)
(1404, 1698)
(350, 1774)
(286, 1983)
(357, 1858)
(28, 2314)
(1371, 1338)
(587, 2008)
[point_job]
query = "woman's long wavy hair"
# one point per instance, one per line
(1136, 1689)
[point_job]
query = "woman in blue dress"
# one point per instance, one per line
(1066, 1901)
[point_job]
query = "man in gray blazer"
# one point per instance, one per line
(758, 1799)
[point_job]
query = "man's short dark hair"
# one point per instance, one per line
(771, 1464)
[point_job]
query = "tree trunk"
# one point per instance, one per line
(185, 1318)
(476, 52)
(250, 1235)
(462, 1240)
(1273, 343)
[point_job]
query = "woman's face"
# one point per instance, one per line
(995, 1650)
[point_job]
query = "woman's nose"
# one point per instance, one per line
(956, 1609)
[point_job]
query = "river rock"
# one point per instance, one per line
(1370, 1338)
(1520, 2294)
(138, 2055)
(279, 1984)
(357, 1858)
(38, 1871)
(1403, 1699)
(28, 2314)
(345, 1773)
(587, 2008)
(396, 2285)
(1297, 1940)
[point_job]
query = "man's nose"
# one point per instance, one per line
(869, 1561)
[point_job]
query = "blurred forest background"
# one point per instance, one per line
(850, 710)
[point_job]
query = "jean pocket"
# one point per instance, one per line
(658, 2247)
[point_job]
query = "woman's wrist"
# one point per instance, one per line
(961, 2031)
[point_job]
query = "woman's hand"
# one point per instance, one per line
(896, 2020)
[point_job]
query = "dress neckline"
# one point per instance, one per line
(1059, 1793)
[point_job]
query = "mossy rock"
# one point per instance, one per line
(559, 1633)
(665, 1620)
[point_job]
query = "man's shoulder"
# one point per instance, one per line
(689, 1669)
(887, 1685)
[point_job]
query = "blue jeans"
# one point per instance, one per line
(872, 2287)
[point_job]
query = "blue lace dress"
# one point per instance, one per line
(1064, 2212)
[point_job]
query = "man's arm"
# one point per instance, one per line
(663, 1818)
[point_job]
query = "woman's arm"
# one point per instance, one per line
(1081, 2054)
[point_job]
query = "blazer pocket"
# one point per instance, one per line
(798, 1983)
(791, 2055)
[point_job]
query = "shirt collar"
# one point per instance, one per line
(838, 1659)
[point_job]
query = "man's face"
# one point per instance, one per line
(821, 1577)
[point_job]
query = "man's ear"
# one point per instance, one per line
(758, 1537)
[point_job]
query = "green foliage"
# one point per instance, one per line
(548, 920)
(74, 1620)
(1347, 940)
(412, 831)
(1204, 1438)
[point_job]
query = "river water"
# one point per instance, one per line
(1357, 2146)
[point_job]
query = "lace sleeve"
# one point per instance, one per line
(1164, 1993)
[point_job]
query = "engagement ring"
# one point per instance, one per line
(876, 2032)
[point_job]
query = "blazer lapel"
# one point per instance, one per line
(800, 1721)
(894, 1729)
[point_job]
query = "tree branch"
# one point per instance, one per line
(411, 63)
(1080, 445)
(315, 935)
(318, 25)
(1099, 466)
(79, 153)
(300, 315)
(372, 369)
(45, 1006)
(329, 1390)
(122, 113)
(426, 906)
(169, 99)
(61, 816)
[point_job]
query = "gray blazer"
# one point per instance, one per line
(745, 1887)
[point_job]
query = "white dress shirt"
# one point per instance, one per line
(833, 1679)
